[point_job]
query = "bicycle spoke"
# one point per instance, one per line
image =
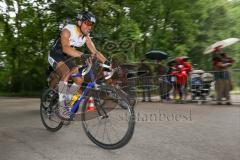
(53, 119)
(50, 117)
(104, 130)
(108, 136)
(96, 125)
(97, 129)
(115, 131)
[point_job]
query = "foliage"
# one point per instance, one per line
(178, 27)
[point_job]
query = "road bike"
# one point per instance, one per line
(111, 121)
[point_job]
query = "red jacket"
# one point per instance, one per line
(183, 69)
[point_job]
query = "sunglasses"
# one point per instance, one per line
(88, 23)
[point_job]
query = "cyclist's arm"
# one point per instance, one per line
(93, 50)
(65, 35)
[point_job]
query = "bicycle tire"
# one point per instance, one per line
(119, 144)
(44, 108)
(131, 101)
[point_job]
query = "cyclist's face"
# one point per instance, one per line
(86, 27)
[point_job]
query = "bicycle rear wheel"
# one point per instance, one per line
(48, 106)
(109, 126)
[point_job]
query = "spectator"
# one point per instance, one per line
(144, 72)
(183, 69)
(162, 78)
(223, 82)
(172, 77)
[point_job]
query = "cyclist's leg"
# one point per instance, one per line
(60, 74)
(54, 79)
(59, 62)
(63, 66)
(63, 71)
(77, 80)
(75, 89)
(74, 69)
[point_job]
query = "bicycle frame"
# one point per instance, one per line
(89, 86)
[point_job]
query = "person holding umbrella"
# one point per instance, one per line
(221, 62)
(160, 72)
(144, 72)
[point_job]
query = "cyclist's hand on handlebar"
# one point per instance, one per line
(88, 61)
(87, 58)
(107, 64)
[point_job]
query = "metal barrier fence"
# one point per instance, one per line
(200, 87)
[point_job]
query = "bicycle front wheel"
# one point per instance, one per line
(109, 125)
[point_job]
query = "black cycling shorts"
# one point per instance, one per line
(55, 58)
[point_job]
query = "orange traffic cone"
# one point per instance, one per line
(90, 106)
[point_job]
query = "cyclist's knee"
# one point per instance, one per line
(79, 80)
(74, 70)
(63, 71)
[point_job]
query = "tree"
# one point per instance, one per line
(178, 27)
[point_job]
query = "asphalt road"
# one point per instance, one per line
(163, 131)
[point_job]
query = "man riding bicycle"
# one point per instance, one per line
(63, 51)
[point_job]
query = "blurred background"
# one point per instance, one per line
(126, 29)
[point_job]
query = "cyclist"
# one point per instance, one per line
(63, 51)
